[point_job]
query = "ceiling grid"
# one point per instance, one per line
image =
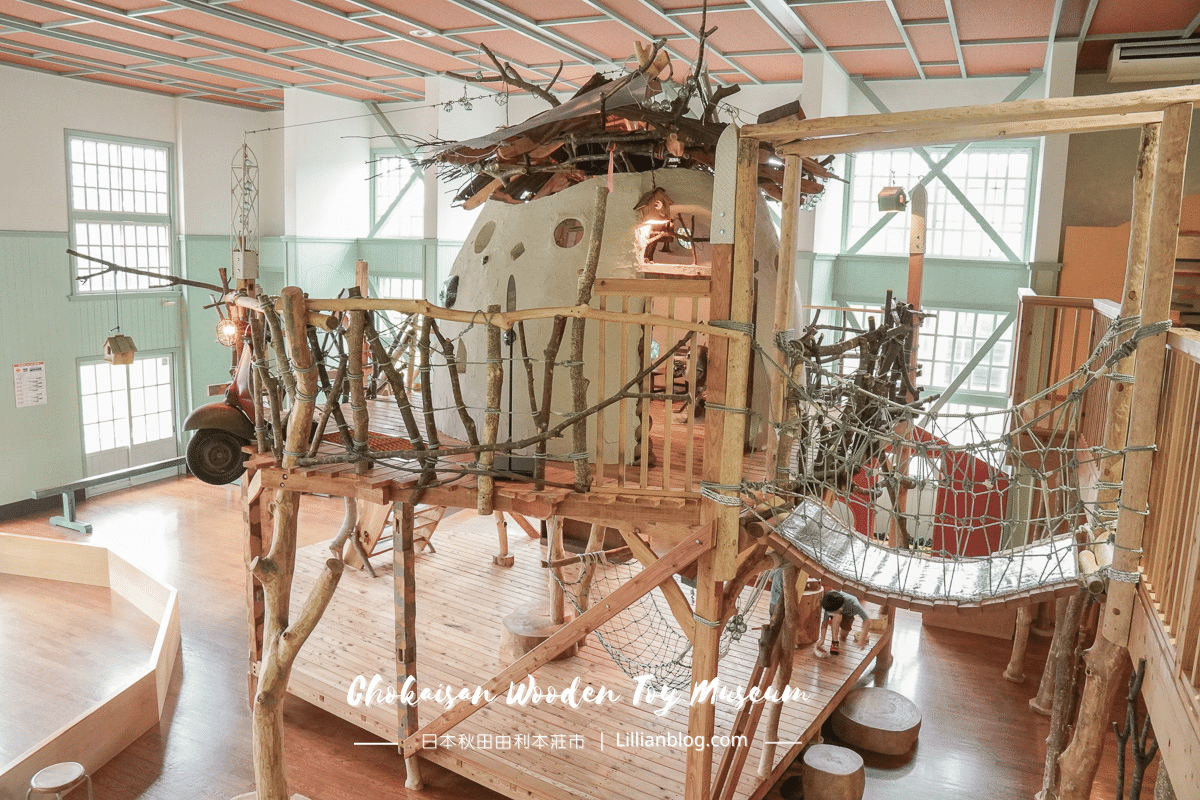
(246, 52)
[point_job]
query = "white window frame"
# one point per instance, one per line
(133, 227)
(381, 166)
(942, 204)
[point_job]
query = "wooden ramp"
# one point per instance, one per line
(551, 750)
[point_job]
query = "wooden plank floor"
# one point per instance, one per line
(461, 600)
(81, 645)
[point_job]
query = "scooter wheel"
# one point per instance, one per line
(215, 456)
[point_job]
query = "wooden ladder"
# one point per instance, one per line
(375, 518)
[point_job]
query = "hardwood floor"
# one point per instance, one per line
(978, 738)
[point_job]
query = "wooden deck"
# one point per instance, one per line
(592, 752)
(664, 498)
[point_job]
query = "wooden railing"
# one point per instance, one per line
(1171, 563)
(1052, 328)
(679, 382)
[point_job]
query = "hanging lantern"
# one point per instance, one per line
(229, 332)
(892, 199)
(119, 349)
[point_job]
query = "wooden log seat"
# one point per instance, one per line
(525, 629)
(830, 772)
(878, 720)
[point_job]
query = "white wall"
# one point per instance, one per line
(327, 148)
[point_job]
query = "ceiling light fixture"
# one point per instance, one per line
(421, 33)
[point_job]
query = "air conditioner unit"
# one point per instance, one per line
(1169, 60)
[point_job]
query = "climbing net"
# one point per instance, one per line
(910, 499)
(646, 638)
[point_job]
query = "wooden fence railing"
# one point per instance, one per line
(1171, 563)
(1052, 329)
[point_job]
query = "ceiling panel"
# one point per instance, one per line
(645, 17)
(1011, 19)
(933, 43)
(228, 29)
(849, 24)
(1118, 16)
(788, 67)
(31, 12)
(921, 9)
(434, 61)
(307, 19)
(35, 63)
(942, 72)
(110, 33)
(1003, 59)
(343, 61)
(434, 15)
(611, 38)
(200, 77)
(42, 42)
(252, 68)
(738, 30)
(542, 11)
(512, 45)
(878, 63)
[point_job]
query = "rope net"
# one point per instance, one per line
(907, 500)
(645, 638)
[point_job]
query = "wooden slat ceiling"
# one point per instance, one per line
(244, 52)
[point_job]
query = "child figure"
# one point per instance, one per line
(838, 610)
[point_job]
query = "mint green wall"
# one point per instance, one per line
(947, 283)
(43, 444)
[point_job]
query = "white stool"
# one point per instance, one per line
(59, 779)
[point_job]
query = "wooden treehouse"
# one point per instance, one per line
(632, 472)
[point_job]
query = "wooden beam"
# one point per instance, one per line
(629, 592)
(1148, 360)
(1152, 100)
(964, 132)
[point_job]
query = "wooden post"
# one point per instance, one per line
(1044, 700)
(701, 717)
(1066, 631)
(282, 639)
(358, 398)
(786, 650)
(784, 286)
(554, 551)
(491, 419)
(1107, 659)
(579, 384)
(1148, 367)
(729, 370)
(1119, 395)
(404, 580)
(1015, 671)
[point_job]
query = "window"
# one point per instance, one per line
(997, 181)
(119, 207)
(397, 196)
(949, 340)
(128, 413)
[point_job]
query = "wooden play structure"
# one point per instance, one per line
(707, 508)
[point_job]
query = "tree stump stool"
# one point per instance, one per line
(832, 773)
(525, 629)
(808, 629)
(878, 720)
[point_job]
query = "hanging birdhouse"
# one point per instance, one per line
(119, 349)
(892, 199)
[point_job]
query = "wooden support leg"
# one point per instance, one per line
(255, 519)
(786, 653)
(557, 597)
(701, 718)
(404, 577)
(1016, 664)
(503, 559)
(1044, 700)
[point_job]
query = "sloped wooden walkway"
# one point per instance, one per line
(461, 599)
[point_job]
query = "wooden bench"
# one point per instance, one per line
(67, 490)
